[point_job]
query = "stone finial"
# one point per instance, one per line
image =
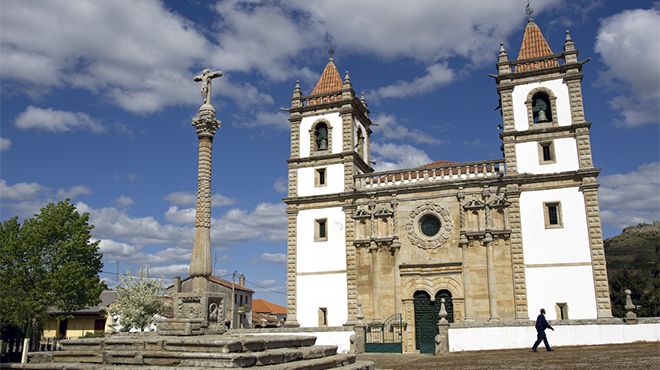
(503, 66)
(297, 92)
(503, 56)
(347, 78)
(443, 312)
(631, 316)
(363, 99)
(360, 314)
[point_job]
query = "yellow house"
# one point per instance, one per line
(88, 320)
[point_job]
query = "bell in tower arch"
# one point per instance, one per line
(540, 108)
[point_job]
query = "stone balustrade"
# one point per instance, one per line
(444, 173)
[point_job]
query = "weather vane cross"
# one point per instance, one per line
(206, 78)
(529, 10)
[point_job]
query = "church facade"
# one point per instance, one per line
(496, 240)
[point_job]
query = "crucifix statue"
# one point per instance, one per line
(206, 78)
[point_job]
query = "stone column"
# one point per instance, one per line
(375, 281)
(492, 288)
(205, 125)
(291, 272)
(599, 269)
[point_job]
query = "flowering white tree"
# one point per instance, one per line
(138, 300)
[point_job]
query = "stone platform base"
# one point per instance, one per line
(193, 353)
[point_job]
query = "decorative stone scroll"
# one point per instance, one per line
(429, 242)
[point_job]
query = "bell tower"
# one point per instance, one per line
(330, 138)
(556, 232)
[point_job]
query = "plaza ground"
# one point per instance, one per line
(619, 356)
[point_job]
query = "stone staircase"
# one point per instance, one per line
(277, 352)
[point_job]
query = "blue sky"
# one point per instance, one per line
(97, 99)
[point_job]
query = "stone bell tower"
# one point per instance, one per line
(330, 138)
(556, 229)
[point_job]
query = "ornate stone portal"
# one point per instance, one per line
(198, 310)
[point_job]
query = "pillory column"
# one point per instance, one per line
(205, 125)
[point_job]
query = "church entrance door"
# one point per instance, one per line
(426, 319)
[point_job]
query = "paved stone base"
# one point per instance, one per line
(196, 352)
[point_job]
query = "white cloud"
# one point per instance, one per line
(180, 269)
(20, 190)
(273, 257)
(56, 120)
(280, 185)
(184, 216)
(116, 251)
(267, 221)
(629, 45)
(276, 120)
(137, 54)
(437, 75)
(5, 144)
(390, 156)
(630, 198)
(73, 192)
(185, 198)
(389, 127)
(124, 201)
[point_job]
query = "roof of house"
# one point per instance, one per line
(534, 45)
(437, 163)
(107, 297)
(263, 306)
(222, 282)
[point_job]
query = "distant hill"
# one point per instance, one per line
(633, 262)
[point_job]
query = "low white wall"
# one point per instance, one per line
(510, 337)
(341, 339)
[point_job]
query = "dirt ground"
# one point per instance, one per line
(645, 356)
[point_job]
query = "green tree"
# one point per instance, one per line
(47, 262)
(138, 300)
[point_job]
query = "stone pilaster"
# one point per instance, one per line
(508, 122)
(295, 120)
(351, 266)
(293, 180)
(291, 272)
(584, 147)
(589, 189)
(574, 83)
(517, 259)
(205, 125)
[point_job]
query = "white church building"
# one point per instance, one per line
(497, 239)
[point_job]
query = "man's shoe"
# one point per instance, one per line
(551, 350)
(534, 350)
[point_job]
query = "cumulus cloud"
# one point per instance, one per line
(124, 201)
(437, 75)
(186, 198)
(280, 185)
(629, 45)
(267, 221)
(631, 198)
(184, 216)
(73, 192)
(276, 120)
(273, 257)
(5, 144)
(20, 190)
(390, 156)
(56, 120)
(390, 127)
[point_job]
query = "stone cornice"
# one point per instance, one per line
(563, 68)
(546, 130)
(297, 162)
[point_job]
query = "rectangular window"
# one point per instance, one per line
(552, 213)
(562, 311)
(321, 230)
(546, 153)
(319, 178)
(323, 316)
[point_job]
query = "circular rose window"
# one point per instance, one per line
(429, 225)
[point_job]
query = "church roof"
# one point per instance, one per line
(534, 45)
(330, 80)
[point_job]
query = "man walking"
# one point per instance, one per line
(541, 325)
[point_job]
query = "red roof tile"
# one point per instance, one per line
(262, 306)
(437, 163)
(534, 45)
(330, 80)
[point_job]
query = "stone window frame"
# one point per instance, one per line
(317, 229)
(317, 177)
(312, 141)
(323, 316)
(553, 155)
(546, 215)
(561, 308)
(553, 108)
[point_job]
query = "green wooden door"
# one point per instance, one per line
(426, 319)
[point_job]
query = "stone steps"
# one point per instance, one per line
(193, 353)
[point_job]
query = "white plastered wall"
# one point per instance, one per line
(334, 178)
(321, 268)
(325, 290)
(306, 126)
(558, 88)
(557, 260)
(566, 157)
